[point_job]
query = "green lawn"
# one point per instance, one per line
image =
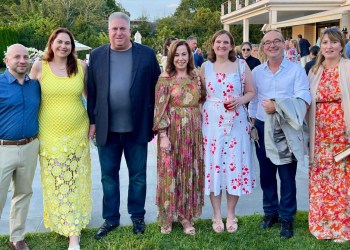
(248, 236)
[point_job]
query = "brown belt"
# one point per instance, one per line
(19, 142)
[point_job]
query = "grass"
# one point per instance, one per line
(248, 236)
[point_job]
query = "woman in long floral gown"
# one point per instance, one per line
(180, 168)
(329, 121)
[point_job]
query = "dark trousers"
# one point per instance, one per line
(136, 158)
(286, 207)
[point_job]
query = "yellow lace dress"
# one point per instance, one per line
(64, 152)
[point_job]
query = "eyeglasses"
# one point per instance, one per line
(245, 49)
(275, 42)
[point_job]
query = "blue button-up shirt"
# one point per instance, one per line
(289, 81)
(19, 107)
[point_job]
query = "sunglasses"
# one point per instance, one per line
(245, 49)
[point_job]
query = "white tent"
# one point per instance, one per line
(79, 46)
(138, 37)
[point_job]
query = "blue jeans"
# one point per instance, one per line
(136, 158)
(286, 207)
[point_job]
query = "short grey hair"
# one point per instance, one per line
(191, 38)
(275, 30)
(119, 15)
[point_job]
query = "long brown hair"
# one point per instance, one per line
(72, 66)
(167, 43)
(334, 34)
(212, 55)
(170, 67)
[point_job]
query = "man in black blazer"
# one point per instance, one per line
(121, 85)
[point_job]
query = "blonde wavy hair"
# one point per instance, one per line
(334, 34)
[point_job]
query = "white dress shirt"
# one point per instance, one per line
(289, 81)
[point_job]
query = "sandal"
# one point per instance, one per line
(341, 240)
(190, 230)
(218, 225)
(231, 225)
(166, 229)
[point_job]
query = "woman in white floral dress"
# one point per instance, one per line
(227, 157)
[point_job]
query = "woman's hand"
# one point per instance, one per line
(232, 103)
(165, 144)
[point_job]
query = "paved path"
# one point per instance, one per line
(247, 205)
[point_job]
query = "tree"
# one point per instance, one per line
(8, 36)
(34, 20)
(191, 6)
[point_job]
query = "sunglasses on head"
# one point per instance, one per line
(245, 49)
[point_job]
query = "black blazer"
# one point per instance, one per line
(144, 75)
(252, 62)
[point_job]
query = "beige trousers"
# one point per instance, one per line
(304, 60)
(18, 163)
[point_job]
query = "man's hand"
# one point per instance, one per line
(269, 106)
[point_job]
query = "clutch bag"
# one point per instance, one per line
(342, 154)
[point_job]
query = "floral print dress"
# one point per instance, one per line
(227, 145)
(292, 55)
(329, 181)
(180, 182)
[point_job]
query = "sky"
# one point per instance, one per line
(153, 9)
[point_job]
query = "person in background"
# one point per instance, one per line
(329, 124)
(277, 78)
(286, 48)
(19, 146)
(177, 120)
(304, 46)
(313, 56)
(238, 51)
(192, 42)
(293, 53)
(246, 54)
(122, 80)
(198, 58)
(63, 133)
(227, 145)
(166, 46)
(347, 48)
(255, 49)
(261, 54)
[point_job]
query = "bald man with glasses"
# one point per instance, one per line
(277, 78)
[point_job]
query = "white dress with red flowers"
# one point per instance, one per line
(227, 157)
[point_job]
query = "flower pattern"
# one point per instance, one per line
(329, 181)
(64, 153)
(180, 182)
(226, 141)
(292, 55)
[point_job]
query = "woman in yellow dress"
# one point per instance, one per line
(63, 135)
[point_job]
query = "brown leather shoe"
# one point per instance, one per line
(20, 245)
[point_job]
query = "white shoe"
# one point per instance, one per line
(77, 247)
(341, 240)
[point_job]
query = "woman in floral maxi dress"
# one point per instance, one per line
(329, 121)
(180, 168)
